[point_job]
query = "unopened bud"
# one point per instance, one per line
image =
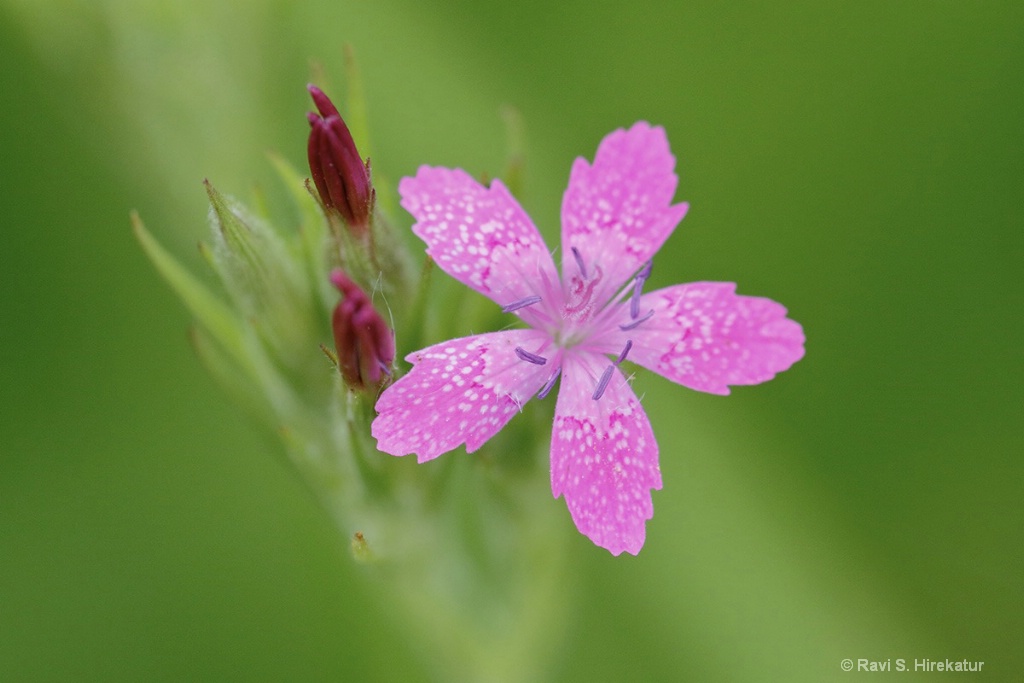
(340, 176)
(365, 345)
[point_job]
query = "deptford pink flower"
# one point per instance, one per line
(342, 179)
(365, 345)
(616, 213)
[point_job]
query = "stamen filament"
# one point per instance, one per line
(638, 287)
(634, 303)
(522, 303)
(546, 389)
(602, 383)
(625, 352)
(530, 357)
(635, 323)
(579, 262)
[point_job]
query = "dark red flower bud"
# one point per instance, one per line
(341, 177)
(365, 345)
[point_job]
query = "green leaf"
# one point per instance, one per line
(357, 119)
(227, 372)
(211, 313)
(516, 157)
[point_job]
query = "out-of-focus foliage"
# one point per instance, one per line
(860, 163)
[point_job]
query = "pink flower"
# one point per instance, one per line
(616, 214)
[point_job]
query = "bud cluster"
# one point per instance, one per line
(282, 293)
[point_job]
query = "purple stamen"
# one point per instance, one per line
(522, 303)
(638, 286)
(634, 303)
(635, 323)
(530, 357)
(546, 389)
(579, 262)
(602, 383)
(625, 352)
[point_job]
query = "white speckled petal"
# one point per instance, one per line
(618, 212)
(478, 235)
(461, 391)
(705, 336)
(604, 458)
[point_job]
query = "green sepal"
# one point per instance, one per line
(263, 273)
(252, 259)
(313, 227)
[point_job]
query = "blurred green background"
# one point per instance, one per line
(861, 163)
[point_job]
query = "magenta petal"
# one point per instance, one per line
(618, 211)
(705, 336)
(478, 235)
(604, 458)
(461, 391)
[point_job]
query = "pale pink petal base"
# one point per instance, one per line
(604, 458)
(461, 391)
(705, 336)
(617, 212)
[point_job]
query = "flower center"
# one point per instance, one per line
(580, 297)
(583, 316)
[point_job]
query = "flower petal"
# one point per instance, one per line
(461, 391)
(617, 212)
(705, 336)
(478, 235)
(604, 458)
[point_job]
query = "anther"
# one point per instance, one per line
(579, 262)
(602, 383)
(635, 323)
(625, 352)
(530, 357)
(522, 303)
(546, 389)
